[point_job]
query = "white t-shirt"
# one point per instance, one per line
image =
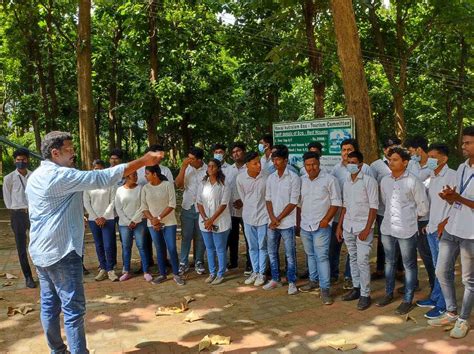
(155, 199)
(127, 205)
(100, 203)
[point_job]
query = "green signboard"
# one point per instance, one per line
(330, 132)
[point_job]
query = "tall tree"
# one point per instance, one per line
(353, 76)
(84, 83)
(153, 118)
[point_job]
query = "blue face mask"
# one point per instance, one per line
(261, 148)
(21, 165)
(219, 157)
(352, 168)
(416, 158)
(432, 163)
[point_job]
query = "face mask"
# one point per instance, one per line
(21, 165)
(416, 158)
(432, 163)
(352, 168)
(219, 157)
(261, 148)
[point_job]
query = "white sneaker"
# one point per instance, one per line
(461, 327)
(261, 279)
(272, 284)
(112, 275)
(292, 289)
(251, 279)
(102, 275)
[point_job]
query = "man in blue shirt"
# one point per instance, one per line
(54, 193)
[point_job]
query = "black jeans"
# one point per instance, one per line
(425, 253)
(233, 242)
(20, 224)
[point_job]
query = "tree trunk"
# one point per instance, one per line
(152, 120)
(112, 114)
(41, 78)
(461, 91)
(84, 83)
(98, 117)
(273, 107)
(353, 77)
(51, 69)
(315, 59)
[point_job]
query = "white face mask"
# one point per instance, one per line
(432, 163)
(352, 168)
(219, 157)
(261, 148)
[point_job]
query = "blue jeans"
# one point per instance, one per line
(127, 236)
(408, 252)
(335, 255)
(190, 231)
(104, 239)
(216, 245)
(257, 240)
(273, 238)
(436, 293)
(61, 288)
(316, 246)
(165, 239)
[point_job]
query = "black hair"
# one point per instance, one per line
(53, 140)
(157, 170)
(280, 147)
(155, 148)
(238, 144)
(98, 162)
(250, 156)
(310, 155)
(220, 175)
(403, 153)
(358, 155)
(443, 149)
(417, 142)
(282, 153)
(116, 152)
(268, 138)
(352, 142)
(21, 152)
(219, 147)
(315, 144)
(197, 152)
(390, 142)
(468, 131)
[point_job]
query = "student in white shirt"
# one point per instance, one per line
(441, 176)
(14, 185)
(219, 153)
(405, 200)
(131, 225)
(189, 178)
(99, 205)
(319, 201)
(213, 200)
(282, 194)
(379, 170)
(158, 202)
(251, 187)
(265, 146)
(314, 146)
(356, 226)
(458, 240)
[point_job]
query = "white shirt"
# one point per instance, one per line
(439, 208)
(211, 197)
(99, 203)
(317, 196)
(231, 178)
(405, 199)
(461, 218)
(164, 171)
(14, 185)
(266, 164)
(379, 170)
(252, 193)
(127, 205)
(282, 191)
(155, 199)
(359, 197)
(192, 180)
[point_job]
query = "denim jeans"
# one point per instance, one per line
(450, 247)
(273, 238)
(127, 237)
(408, 252)
(190, 231)
(257, 240)
(216, 245)
(165, 239)
(61, 289)
(359, 253)
(335, 255)
(104, 239)
(436, 293)
(425, 253)
(316, 246)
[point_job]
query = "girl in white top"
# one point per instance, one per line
(131, 225)
(99, 205)
(214, 219)
(158, 201)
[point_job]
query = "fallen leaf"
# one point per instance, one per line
(189, 299)
(410, 318)
(205, 343)
(192, 317)
(22, 310)
(11, 276)
(219, 340)
(7, 283)
(170, 310)
(113, 299)
(228, 305)
(342, 345)
(2, 298)
(2, 275)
